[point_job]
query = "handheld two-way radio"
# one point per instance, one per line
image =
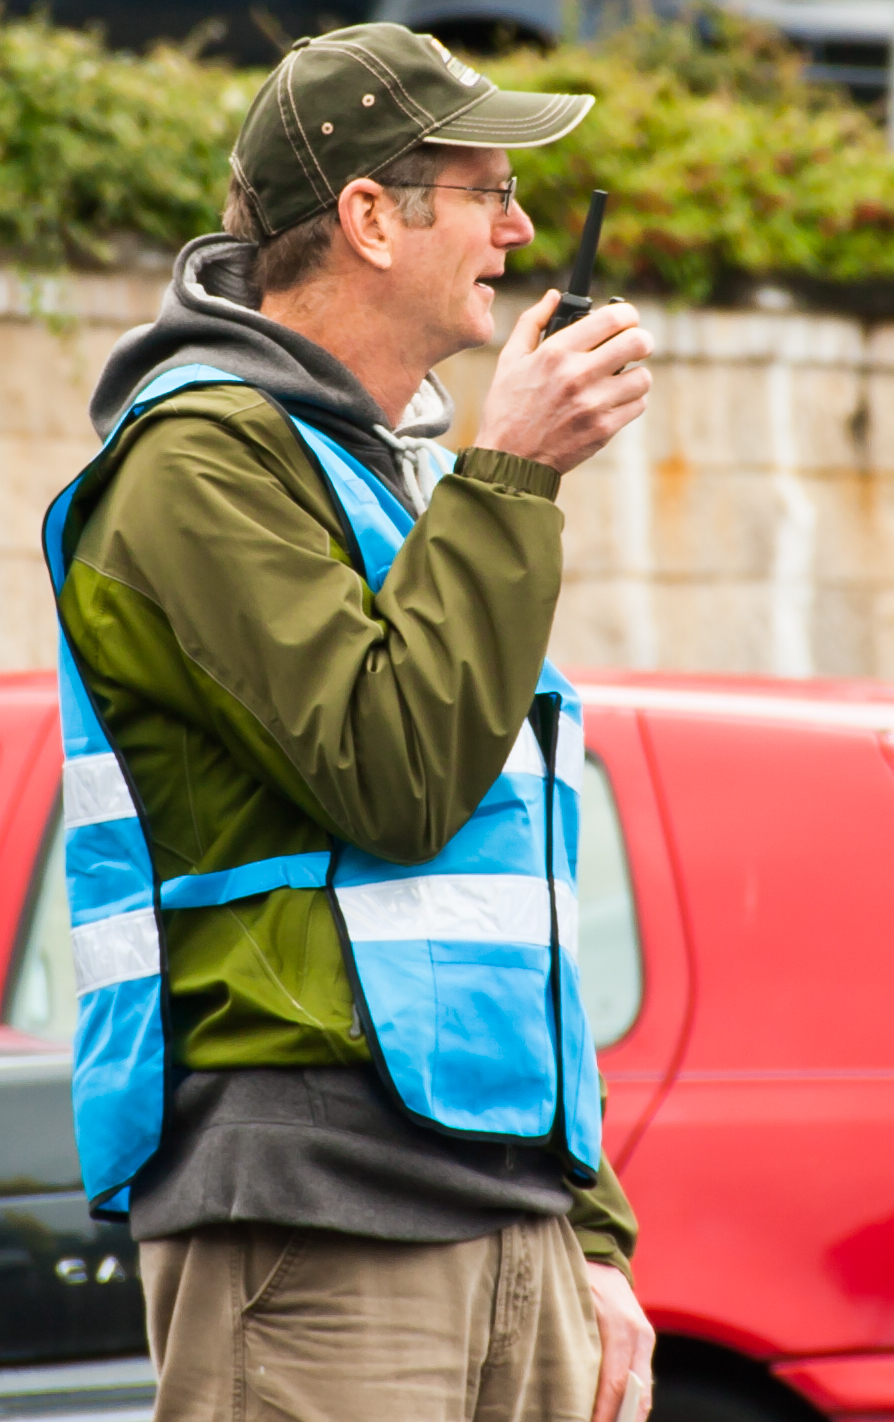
(576, 301)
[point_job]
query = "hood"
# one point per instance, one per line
(209, 316)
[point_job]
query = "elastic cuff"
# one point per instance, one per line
(603, 1249)
(492, 466)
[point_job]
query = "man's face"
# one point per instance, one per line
(441, 272)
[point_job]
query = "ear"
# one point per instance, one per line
(367, 219)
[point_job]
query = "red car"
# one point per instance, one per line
(737, 951)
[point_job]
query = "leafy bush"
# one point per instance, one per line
(93, 143)
(718, 156)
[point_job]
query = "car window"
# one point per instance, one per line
(43, 1002)
(610, 960)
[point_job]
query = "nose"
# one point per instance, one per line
(514, 229)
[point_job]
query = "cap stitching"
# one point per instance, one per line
(282, 83)
(532, 124)
(514, 128)
(376, 59)
(306, 141)
(458, 113)
(393, 157)
(512, 125)
(323, 205)
(285, 121)
(320, 207)
(518, 141)
(381, 74)
(247, 188)
(557, 102)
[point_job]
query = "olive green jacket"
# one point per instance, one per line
(265, 700)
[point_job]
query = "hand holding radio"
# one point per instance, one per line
(561, 388)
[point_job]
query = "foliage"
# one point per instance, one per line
(93, 144)
(718, 156)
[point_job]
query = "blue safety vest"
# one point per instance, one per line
(463, 969)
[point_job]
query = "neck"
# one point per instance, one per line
(355, 327)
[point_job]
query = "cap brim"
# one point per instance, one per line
(506, 119)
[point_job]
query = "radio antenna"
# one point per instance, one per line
(582, 275)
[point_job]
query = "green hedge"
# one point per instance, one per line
(718, 157)
(718, 160)
(93, 144)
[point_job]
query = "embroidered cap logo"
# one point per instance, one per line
(460, 71)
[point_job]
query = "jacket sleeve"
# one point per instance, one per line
(387, 717)
(603, 1221)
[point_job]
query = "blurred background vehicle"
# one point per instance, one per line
(736, 909)
(71, 1312)
(846, 41)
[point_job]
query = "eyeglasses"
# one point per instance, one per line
(507, 193)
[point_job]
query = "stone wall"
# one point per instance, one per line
(54, 338)
(745, 524)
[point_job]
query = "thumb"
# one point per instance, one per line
(531, 325)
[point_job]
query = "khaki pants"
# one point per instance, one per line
(259, 1323)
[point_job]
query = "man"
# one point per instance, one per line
(310, 675)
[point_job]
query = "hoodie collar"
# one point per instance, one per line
(209, 316)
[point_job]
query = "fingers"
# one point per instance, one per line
(626, 1347)
(531, 325)
(599, 326)
(617, 1357)
(632, 345)
(625, 388)
(570, 370)
(642, 1366)
(597, 409)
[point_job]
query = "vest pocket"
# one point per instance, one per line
(494, 1065)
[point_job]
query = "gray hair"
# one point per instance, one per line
(294, 255)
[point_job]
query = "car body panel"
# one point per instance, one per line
(862, 1383)
(788, 1079)
(114, 1390)
(764, 1183)
(30, 766)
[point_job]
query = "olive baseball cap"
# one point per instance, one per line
(346, 104)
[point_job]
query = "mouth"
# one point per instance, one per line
(482, 281)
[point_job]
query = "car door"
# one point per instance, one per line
(773, 1227)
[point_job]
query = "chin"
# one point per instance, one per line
(478, 329)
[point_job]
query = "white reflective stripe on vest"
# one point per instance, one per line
(570, 753)
(526, 757)
(568, 914)
(459, 908)
(115, 950)
(94, 790)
